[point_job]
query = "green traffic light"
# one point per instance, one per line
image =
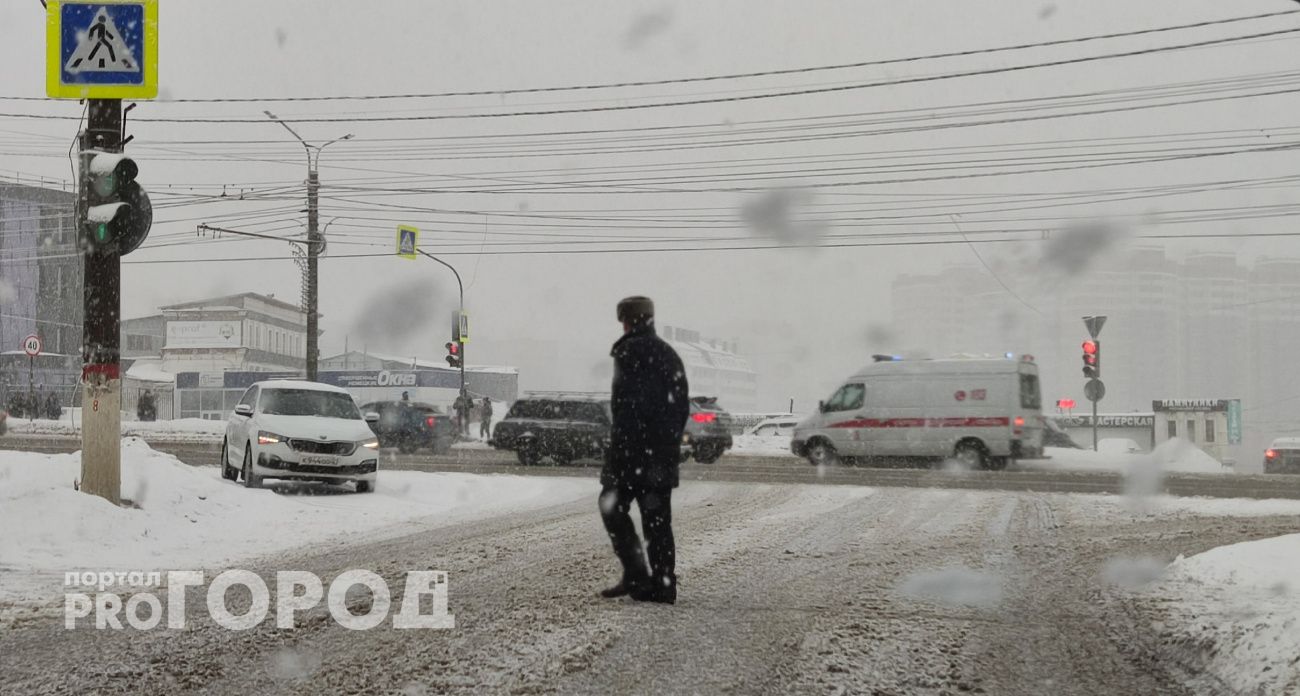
(101, 232)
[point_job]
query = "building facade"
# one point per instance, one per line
(1208, 323)
(713, 368)
(245, 332)
(40, 288)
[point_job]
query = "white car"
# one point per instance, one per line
(300, 430)
(780, 425)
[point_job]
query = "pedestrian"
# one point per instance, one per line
(406, 396)
(53, 409)
(461, 407)
(146, 408)
(650, 407)
(485, 418)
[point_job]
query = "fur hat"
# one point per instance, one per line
(636, 309)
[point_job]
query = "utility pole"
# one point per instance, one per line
(313, 264)
(314, 243)
(101, 379)
(113, 212)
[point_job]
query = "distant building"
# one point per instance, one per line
(245, 332)
(374, 376)
(1205, 324)
(714, 369)
(143, 337)
(40, 288)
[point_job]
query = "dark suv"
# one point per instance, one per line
(412, 425)
(708, 430)
(562, 426)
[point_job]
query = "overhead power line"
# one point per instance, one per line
(727, 76)
(716, 100)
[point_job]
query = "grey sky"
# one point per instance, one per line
(782, 305)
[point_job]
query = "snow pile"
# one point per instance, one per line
(1240, 605)
(1174, 455)
(762, 445)
(190, 518)
(181, 429)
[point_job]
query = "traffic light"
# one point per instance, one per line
(453, 354)
(118, 213)
(1092, 359)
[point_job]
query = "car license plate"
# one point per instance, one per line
(320, 460)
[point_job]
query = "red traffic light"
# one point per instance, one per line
(453, 349)
(1090, 347)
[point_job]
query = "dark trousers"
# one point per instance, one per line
(656, 522)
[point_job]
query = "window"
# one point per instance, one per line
(250, 396)
(1030, 395)
(309, 402)
(850, 397)
(1173, 429)
(1191, 430)
(1209, 430)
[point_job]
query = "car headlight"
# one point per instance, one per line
(265, 437)
(372, 443)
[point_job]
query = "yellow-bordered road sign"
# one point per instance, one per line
(408, 240)
(101, 50)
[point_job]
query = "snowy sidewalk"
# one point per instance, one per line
(190, 518)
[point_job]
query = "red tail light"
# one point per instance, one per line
(704, 417)
(1020, 421)
(430, 421)
(1270, 454)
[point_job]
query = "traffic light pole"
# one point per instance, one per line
(1094, 426)
(460, 286)
(101, 454)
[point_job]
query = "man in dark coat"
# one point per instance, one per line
(650, 406)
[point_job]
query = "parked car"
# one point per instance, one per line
(708, 430)
(780, 425)
(1283, 456)
(562, 426)
(412, 425)
(299, 430)
(983, 412)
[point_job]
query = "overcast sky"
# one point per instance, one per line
(783, 305)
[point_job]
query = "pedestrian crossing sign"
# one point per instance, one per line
(101, 50)
(407, 240)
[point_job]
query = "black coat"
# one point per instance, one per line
(650, 406)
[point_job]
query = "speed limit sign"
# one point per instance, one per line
(32, 345)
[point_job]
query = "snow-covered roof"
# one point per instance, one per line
(149, 371)
(1286, 443)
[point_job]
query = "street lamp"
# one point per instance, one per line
(313, 239)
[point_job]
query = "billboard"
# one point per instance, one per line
(204, 334)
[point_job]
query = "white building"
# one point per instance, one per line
(1208, 323)
(247, 332)
(714, 369)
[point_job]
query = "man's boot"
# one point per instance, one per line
(660, 589)
(629, 585)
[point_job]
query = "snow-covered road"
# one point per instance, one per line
(784, 589)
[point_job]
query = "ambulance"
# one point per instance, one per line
(981, 412)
